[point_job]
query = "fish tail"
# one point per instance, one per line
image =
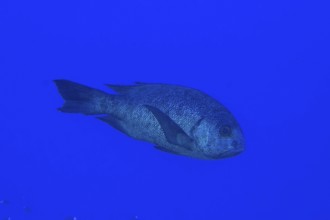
(81, 99)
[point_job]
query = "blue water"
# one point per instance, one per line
(267, 61)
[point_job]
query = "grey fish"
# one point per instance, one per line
(175, 119)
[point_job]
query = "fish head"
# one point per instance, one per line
(219, 137)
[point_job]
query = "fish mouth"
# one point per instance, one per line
(230, 153)
(236, 148)
(225, 154)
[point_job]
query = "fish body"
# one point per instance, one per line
(175, 119)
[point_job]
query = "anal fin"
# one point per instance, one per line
(114, 122)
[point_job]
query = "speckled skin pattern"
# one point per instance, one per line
(201, 117)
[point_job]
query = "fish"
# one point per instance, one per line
(175, 119)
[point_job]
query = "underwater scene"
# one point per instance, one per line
(164, 110)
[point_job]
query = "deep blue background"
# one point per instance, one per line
(267, 61)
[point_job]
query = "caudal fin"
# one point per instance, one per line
(79, 98)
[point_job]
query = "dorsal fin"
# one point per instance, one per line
(148, 84)
(121, 88)
(127, 88)
(141, 83)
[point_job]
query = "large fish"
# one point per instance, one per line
(175, 119)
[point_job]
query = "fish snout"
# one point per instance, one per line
(237, 146)
(234, 148)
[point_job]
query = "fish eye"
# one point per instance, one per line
(225, 131)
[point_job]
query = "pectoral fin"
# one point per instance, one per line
(173, 132)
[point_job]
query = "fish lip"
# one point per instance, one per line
(234, 153)
(225, 154)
